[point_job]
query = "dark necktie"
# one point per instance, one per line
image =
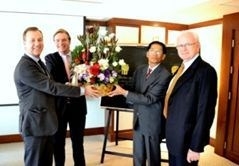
(148, 73)
(43, 67)
(170, 89)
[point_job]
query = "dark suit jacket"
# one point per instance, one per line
(36, 98)
(148, 99)
(191, 109)
(56, 67)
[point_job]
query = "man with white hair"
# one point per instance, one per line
(190, 103)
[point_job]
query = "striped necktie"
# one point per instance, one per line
(148, 73)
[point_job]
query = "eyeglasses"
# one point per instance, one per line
(186, 45)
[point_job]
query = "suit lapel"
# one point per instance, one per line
(32, 61)
(59, 60)
(60, 66)
(141, 78)
(187, 74)
(153, 76)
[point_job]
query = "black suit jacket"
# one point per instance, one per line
(147, 98)
(36, 93)
(56, 67)
(191, 109)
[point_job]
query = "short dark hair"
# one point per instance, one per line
(30, 29)
(159, 43)
(62, 31)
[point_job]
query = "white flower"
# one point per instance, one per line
(118, 48)
(115, 63)
(107, 38)
(106, 49)
(82, 68)
(104, 64)
(121, 62)
(111, 35)
(88, 79)
(93, 49)
(112, 79)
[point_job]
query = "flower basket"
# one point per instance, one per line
(104, 89)
(95, 61)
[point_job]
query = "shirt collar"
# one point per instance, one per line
(152, 68)
(188, 63)
(68, 54)
(33, 57)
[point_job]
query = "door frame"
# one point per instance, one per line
(229, 24)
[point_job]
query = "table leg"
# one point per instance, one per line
(117, 128)
(105, 136)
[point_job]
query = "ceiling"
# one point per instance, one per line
(175, 11)
(172, 11)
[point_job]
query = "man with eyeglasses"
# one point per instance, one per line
(191, 104)
(150, 82)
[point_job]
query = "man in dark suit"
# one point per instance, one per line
(147, 97)
(70, 111)
(191, 104)
(36, 92)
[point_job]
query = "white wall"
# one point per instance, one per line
(9, 117)
(12, 50)
(12, 47)
(211, 49)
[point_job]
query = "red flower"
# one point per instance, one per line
(93, 80)
(95, 69)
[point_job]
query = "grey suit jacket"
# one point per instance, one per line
(36, 93)
(148, 99)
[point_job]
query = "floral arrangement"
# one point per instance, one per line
(95, 60)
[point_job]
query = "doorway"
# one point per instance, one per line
(227, 138)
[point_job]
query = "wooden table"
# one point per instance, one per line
(110, 110)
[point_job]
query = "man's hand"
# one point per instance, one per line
(118, 91)
(91, 91)
(192, 156)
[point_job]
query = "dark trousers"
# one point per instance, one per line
(146, 148)
(180, 160)
(38, 151)
(77, 125)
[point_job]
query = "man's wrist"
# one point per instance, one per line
(125, 93)
(82, 91)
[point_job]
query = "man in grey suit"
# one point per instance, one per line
(191, 104)
(36, 91)
(147, 97)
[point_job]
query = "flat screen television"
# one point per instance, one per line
(136, 56)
